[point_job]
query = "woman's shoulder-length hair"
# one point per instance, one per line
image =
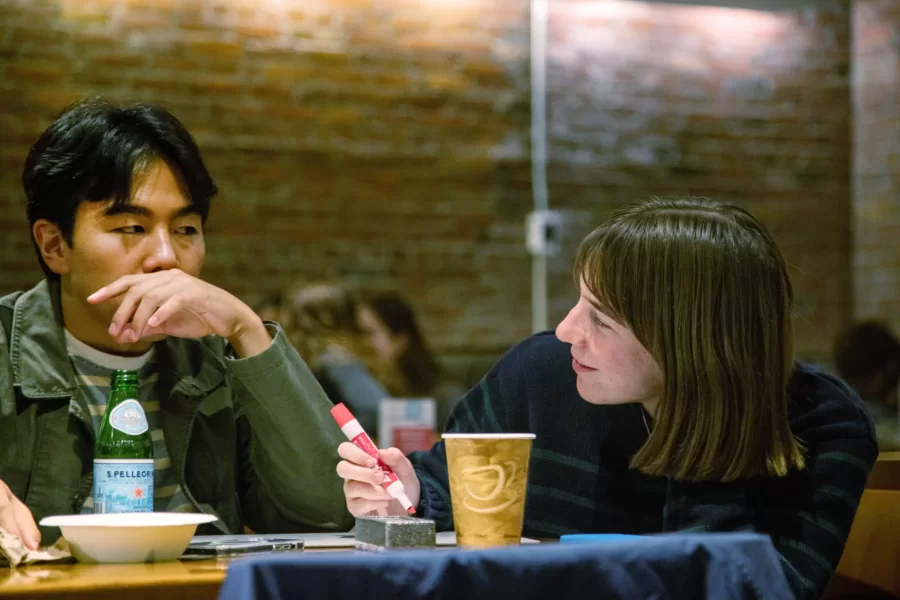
(705, 290)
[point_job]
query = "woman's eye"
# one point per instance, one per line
(596, 321)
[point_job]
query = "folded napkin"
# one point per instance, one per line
(14, 553)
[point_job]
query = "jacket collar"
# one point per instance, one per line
(40, 360)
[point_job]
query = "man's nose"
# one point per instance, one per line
(161, 255)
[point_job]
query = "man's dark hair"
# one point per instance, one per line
(93, 151)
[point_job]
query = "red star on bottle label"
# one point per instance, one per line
(138, 493)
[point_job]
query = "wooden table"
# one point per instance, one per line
(871, 557)
(180, 580)
(872, 553)
(885, 474)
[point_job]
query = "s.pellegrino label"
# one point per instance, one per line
(122, 486)
(123, 452)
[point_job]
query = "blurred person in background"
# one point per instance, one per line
(667, 400)
(406, 364)
(867, 357)
(117, 200)
(320, 319)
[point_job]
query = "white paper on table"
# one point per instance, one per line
(330, 540)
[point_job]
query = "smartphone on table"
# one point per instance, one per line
(230, 546)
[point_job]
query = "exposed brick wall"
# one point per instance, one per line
(388, 142)
(876, 193)
(737, 105)
(381, 142)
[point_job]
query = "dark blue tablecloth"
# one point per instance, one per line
(711, 566)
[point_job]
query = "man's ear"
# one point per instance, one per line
(52, 245)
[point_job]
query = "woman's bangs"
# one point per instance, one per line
(607, 272)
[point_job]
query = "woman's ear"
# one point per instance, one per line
(52, 245)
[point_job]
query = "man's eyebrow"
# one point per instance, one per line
(117, 209)
(184, 211)
(141, 211)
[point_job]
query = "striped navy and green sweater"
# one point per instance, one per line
(579, 479)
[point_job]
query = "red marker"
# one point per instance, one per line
(359, 438)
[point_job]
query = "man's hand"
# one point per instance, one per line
(174, 303)
(15, 518)
(362, 481)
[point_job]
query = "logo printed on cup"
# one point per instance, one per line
(500, 497)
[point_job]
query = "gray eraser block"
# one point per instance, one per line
(379, 533)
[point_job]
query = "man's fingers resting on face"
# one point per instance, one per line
(161, 305)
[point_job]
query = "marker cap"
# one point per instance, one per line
(341, 414)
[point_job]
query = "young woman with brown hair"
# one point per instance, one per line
(406, 365)
(667, 400)
(320, 321)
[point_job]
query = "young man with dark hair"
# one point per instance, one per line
(117, 202)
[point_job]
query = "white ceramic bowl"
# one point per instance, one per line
(128, 537)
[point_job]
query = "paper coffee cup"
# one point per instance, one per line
(488, 481)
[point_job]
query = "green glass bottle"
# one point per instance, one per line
(123, 452)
